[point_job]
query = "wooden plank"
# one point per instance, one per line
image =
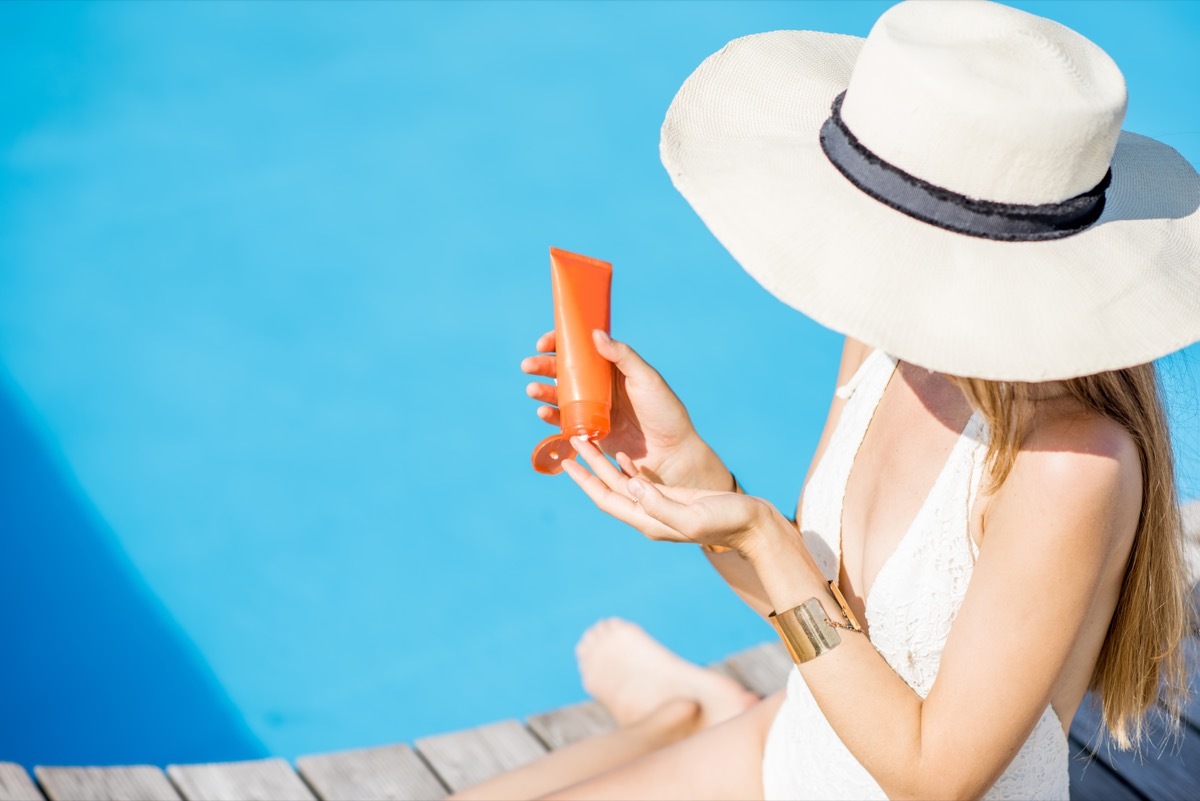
(128, 783)
(255, 780)
(1166, 769)
(15, 784)
(389, 773)
(571, 724)
(1163, 770)
(465, 758)
(762, 669)
(1092, 780)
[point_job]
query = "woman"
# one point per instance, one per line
(989, 528)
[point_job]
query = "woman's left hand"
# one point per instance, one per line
(674, 514)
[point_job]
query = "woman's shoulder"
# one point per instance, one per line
(1067, 444)
(1076, 470)
(1077, 435)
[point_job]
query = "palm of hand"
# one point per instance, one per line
(716, 518)
(648, 426)
(673, 514)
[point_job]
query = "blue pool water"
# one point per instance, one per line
(266, 274)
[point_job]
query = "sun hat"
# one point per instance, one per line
(955, 189)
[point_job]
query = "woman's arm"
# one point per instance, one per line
(1058, 537)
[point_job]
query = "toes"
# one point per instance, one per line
(597, 633)
(618, 630)
(587, 640)
(628, 627)
(597, 627)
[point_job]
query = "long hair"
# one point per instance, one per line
(1142, 657)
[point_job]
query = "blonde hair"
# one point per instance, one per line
(1142, 657)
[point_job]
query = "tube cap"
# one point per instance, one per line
(549, 454)
(585, 418)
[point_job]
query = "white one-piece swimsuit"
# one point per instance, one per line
(911, 606)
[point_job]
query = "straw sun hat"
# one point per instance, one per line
(955, 189)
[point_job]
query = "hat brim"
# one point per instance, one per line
(740, 142)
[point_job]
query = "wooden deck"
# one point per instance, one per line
(434, 766)
(428, 769)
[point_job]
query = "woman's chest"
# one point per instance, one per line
(897, 471)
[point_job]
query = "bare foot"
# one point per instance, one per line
(631, 674)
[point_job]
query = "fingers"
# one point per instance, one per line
(613, 478)
(681, 494)
(678, 516)
(550, 415)
(618, 505)
(626, 464)
(624, 357)
(540, 365)
(546, 393)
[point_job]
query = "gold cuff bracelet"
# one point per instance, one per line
(807, 631)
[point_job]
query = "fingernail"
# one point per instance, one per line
(636, 488)
(577, 441)
(604, 337)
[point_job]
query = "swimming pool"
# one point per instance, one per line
(266, 274)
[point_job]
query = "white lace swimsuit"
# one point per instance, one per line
(911, 607)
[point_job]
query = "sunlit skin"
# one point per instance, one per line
(1053, 541)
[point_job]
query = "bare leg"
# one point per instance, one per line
(669, 723)
(720, 763)
(656, 697)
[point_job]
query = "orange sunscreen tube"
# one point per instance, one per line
(582, 288)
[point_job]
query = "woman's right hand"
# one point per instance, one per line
(652, 435)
